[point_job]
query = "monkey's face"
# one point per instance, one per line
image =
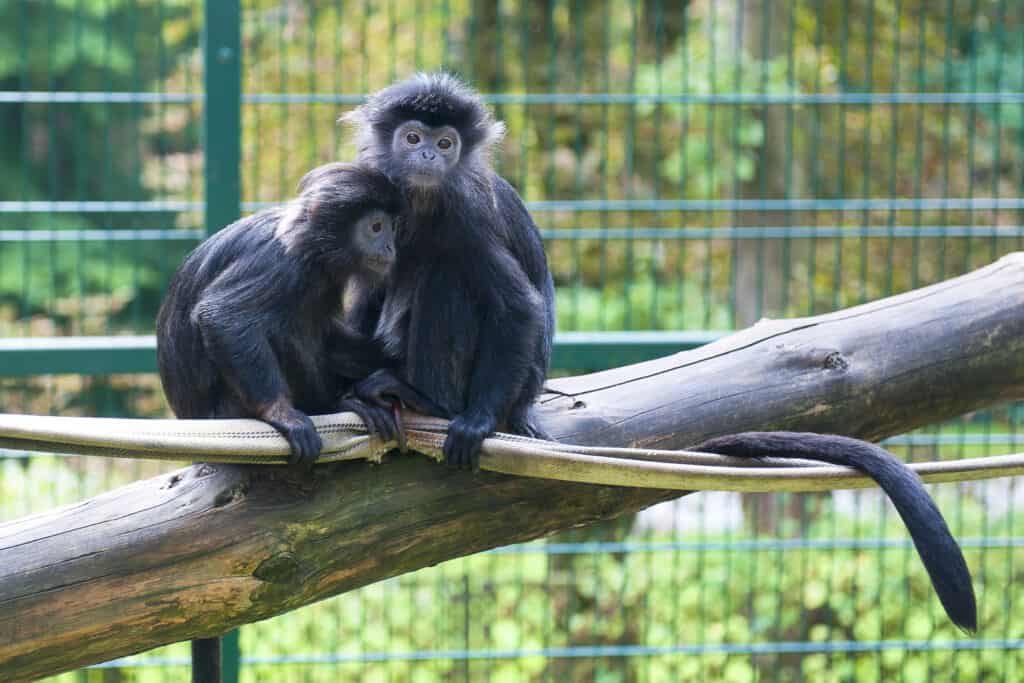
(424, 155)
(373, 239)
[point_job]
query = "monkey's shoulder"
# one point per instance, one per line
(522, 236)
(238, 238)
(508, 202)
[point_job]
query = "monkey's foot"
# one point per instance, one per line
(384, 421)
(383, 387)
(527, 427)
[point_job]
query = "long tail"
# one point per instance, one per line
(939, 552)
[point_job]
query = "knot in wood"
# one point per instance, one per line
(282, 568)
(231, 494)
(836, 361)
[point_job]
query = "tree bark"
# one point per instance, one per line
(202, 550)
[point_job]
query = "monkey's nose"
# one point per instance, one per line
(427, 154)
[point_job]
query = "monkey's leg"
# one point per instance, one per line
(523, 422)
(376, 400)
(383, 386)
(501, 369)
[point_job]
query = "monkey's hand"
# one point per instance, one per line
(295, 426)
(383, 387)
(466, 432)
(379, 419)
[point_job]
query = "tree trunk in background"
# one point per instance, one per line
(759, 275)
(483, 39)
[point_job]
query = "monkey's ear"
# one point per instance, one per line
(494, 132)
(355, 118)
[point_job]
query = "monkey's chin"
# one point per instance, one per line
(379, 269)
(424, 181)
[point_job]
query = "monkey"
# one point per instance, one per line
(251, 324)
(469, 312)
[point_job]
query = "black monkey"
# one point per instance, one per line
(251, 324)
(469, 313)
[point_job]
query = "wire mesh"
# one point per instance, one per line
(693, 166)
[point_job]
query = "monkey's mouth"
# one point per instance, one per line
(423, 173)
(425, 179)
(379, 265)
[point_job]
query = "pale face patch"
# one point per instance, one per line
(426, 154)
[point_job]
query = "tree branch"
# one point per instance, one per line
(205, 549)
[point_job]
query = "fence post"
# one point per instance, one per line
(222, 123)
(222, 141)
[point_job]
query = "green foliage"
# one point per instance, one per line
(644, 304)
(83, 152)
(672, 141)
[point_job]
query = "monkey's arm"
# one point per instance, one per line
(512, 323)
(234, 315)
(354, 355)
(527, 247)
(524, 240)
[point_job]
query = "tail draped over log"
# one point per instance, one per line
(939, 551)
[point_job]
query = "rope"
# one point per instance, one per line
(345, 438)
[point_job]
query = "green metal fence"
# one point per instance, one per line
(693, 166)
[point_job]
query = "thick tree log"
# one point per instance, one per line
(207, 548)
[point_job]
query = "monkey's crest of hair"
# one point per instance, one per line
(335, 195)
(347, 189)
(435, 99)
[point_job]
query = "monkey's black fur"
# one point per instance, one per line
(469, 312)
(939, 552)
(250, 326)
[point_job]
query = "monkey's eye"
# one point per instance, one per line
(377, 227)
(412, 138)
(444, 143)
